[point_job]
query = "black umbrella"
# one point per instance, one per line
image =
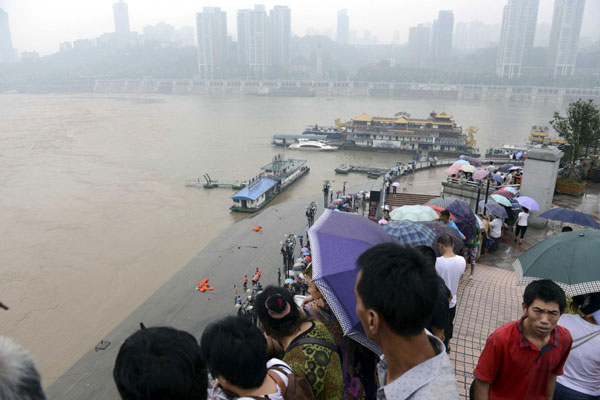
(505, 167)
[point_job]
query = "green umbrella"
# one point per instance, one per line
(501, 200)
(569, 259)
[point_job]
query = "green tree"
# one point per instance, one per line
(580, 128)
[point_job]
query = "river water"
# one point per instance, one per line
(94, 212)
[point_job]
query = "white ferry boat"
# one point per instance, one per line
(312, 145)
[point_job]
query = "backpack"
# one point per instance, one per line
(297, 388)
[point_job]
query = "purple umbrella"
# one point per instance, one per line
(337, 240)
(465, 219)
(528, 202)
(498, 178)
(480, 174)
(570, 216)
(439, 228)
(474, 161)
(494, 208)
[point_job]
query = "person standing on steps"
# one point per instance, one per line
(521, 226)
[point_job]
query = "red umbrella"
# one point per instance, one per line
(439, 209)
(504, 193)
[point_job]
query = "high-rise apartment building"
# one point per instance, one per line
(343, 27)
(564, 36)
(211, 28)
(418, 44)
(516, 38)
(441, 35)
(6, 49)
(121, 16)
(461, 36)
(253, 39)
(280, 20)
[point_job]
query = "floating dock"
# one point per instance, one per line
(346, 169)
(212, 183)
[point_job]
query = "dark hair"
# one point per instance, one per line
(445, 213)
(275, 299)
(393, 274)
(428, 253)
(160, 363)
(237, 350)
(566, 229)
(526, 209)
(446, 240)
(547, 291)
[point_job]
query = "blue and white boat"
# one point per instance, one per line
(274, 179)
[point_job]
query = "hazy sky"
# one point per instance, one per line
(40, 25)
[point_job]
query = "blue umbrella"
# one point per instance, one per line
(465, 219)
(442, 229)
(289, 281)
(463, 162)
(337, 240)
(571, 216)
(498, 178)
(494, 208)
(410, 233)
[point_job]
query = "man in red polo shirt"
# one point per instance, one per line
(521, 359)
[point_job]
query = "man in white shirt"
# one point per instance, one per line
(495, 232)
(449, 267)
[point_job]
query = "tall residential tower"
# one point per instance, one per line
(280, 20)
(211, 28)
(253, 39)
(516, 39)
(122, 31)
(6, 49)
(343, 27)
(564, 36)
(441, 37)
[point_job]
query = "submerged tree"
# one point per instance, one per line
(580, 128)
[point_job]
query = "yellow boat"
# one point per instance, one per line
(539, 133)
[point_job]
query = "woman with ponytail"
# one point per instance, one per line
(308, 347)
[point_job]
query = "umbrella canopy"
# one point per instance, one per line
(571, 216)
(442, 201)
(304, 249)
(501, 200)
(494, 208)
(480, 174)
(414, 213)
(465, 219)
(528, 202)
(453, 169)
(498, 178)
(474, 161)
(337, 240)
(297, 268)
(396, 184)
(463, 162)
(467, 168)
(289, 281)
(506, 193)
(439, 228)
(515, 168)
(511, 189)
(410, 233)
(382, 221)
(570, 259)
(505, 167)
(439, 209)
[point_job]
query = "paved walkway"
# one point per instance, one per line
(485, 302)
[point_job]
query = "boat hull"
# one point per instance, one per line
(407, 151)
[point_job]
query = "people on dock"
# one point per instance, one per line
(19, 378)
(522, 359)
(160, 363)
(414, 363)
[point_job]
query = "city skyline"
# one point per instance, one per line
(378, 20)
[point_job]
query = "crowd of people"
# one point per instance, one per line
(406, 301)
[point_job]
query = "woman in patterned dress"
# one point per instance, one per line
(308, 347)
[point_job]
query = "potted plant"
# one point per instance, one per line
(581, 129)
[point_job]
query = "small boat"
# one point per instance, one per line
(314, 145)
(539, 133)
(343, 169)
